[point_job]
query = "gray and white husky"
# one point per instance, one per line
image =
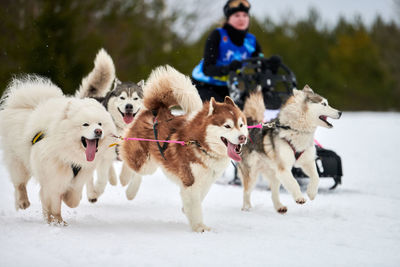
(283, 143)
(123, 100)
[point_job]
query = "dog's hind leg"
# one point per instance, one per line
(133, 186)
(310, 170)
(191, 200)
(19, 177)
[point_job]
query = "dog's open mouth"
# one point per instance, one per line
(233, 150)
(90, 146)
(325, 119)
(127, 116)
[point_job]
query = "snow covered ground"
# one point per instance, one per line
(358, 224)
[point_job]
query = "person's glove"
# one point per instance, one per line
(234, 65)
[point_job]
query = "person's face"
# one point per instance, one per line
(239, 20)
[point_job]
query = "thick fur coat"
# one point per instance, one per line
(285, 142)
(213, 132)
(123, 100)
(59, 140)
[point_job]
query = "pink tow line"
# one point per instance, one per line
(162, 141)
(177, 142)
(256, 126)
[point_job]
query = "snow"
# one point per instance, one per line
(357, 224)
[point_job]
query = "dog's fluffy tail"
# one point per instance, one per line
(100, 79)
(26, 92)
(254, 107)
(168, 87)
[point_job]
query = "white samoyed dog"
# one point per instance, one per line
(57, 139)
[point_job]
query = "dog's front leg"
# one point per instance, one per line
(289, 182)
(133, 186)
(51, 205)
(126, 174)
(90, 192)
(191, 200)
(310, 170)
(103, 171)
(73, 195)
(249, 180)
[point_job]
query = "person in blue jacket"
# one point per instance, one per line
(225, 48)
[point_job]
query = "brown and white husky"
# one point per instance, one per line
(214, 134)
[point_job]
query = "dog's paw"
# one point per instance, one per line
(246, 207)
(92, 200)
(300, 200)
(112, 180)
(282, 209)
(56, 220)
(201, 228)
(22, 204)
(312, 193)
(124, 180)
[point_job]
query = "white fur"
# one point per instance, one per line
(34, 104)
(303, 117)
(101, 77)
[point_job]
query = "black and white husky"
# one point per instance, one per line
(122, 100)
(285, 142)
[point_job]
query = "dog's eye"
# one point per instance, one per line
(324, 104)
(241, 125)
(85, 124)
(99, 123)
(227, 126)
(122, 98)
(135, 98)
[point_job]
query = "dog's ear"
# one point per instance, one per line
(229, 101)
(296, 92)
(212, 105)
(308, 89)
(141, 84)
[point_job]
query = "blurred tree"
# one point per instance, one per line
(353, 66)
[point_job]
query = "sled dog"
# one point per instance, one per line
(283, 143)
(122, 100)
(213, 134)
(57, 139)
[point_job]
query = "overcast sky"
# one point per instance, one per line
(210, 11)
(330, 10)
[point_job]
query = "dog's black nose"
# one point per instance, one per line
(242, 139)
(98, 132)
(129, 107)
(340, 114)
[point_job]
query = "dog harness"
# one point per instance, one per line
(297, 154)
(276, 124)
(39, 136)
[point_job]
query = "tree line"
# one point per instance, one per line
(356, 67)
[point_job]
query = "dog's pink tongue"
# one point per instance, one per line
(90, 149)
(128, 118)
(232, 153)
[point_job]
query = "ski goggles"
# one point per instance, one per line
(236, 3)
